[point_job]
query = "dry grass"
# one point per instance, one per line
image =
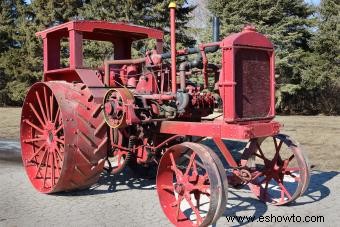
(10, 123)
(319, 135)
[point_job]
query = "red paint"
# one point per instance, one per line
(173, 48)
(247, 39)
(120, 34)
(146, 117)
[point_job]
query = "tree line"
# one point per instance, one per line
(306, 40)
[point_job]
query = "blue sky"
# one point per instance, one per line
(314, 2)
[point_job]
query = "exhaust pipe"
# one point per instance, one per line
(172, 7)
(194, 50)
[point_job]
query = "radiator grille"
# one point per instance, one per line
(252, 77)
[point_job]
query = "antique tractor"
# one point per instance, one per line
(142, 112)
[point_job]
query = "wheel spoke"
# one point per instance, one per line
(46, 104)
(33, 126)
(46, 167)
(204, 189)
(277, 150)
(287, 161)
(36, 114)
(34, 140)
(202, 179)
(260, 150)
(42, 160)
(58, 151)
(51, 106)
(192, 158)
(284, 189)
(41, 107)
(56, 164)
(56, 118)
(259, 156)
(59, 140)
(291, 169)
(277, 147)
(37, 152)
(174, 168)
(59, 128)
(53, 170)
(179, 200)
(196, 211)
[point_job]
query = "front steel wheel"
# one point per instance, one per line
(191, 185)
(279, 169)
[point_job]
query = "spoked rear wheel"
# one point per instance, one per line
(63, 137)
(279, 169)
(191, 185)
(118, 157)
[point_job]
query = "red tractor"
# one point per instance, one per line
(151, 111)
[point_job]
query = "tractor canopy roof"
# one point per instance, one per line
(102, 31)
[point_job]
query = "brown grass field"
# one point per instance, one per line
(319, 135)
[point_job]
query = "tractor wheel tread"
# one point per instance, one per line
(86, 122)
(96, 111)
(86, 139)
(82, 154)
(100, 128)
(83, 159)
(79, 171)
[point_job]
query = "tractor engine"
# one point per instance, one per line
(143, 95)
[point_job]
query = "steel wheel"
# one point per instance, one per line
(118, 157)
(43, 138)
(63, 137)
(279, 169)
(190, 185)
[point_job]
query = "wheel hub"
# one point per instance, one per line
(179, 188)
(50, 137)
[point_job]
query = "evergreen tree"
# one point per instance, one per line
(21, 63)
(321, 78)
(148, 13)
(10, 12)
(286, 22)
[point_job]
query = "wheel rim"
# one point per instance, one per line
(42, 138)
(189, 186)
(278, 177)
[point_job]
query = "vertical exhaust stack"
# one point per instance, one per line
(216, 29)
(172, 7)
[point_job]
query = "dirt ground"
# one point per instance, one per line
(319, 135)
